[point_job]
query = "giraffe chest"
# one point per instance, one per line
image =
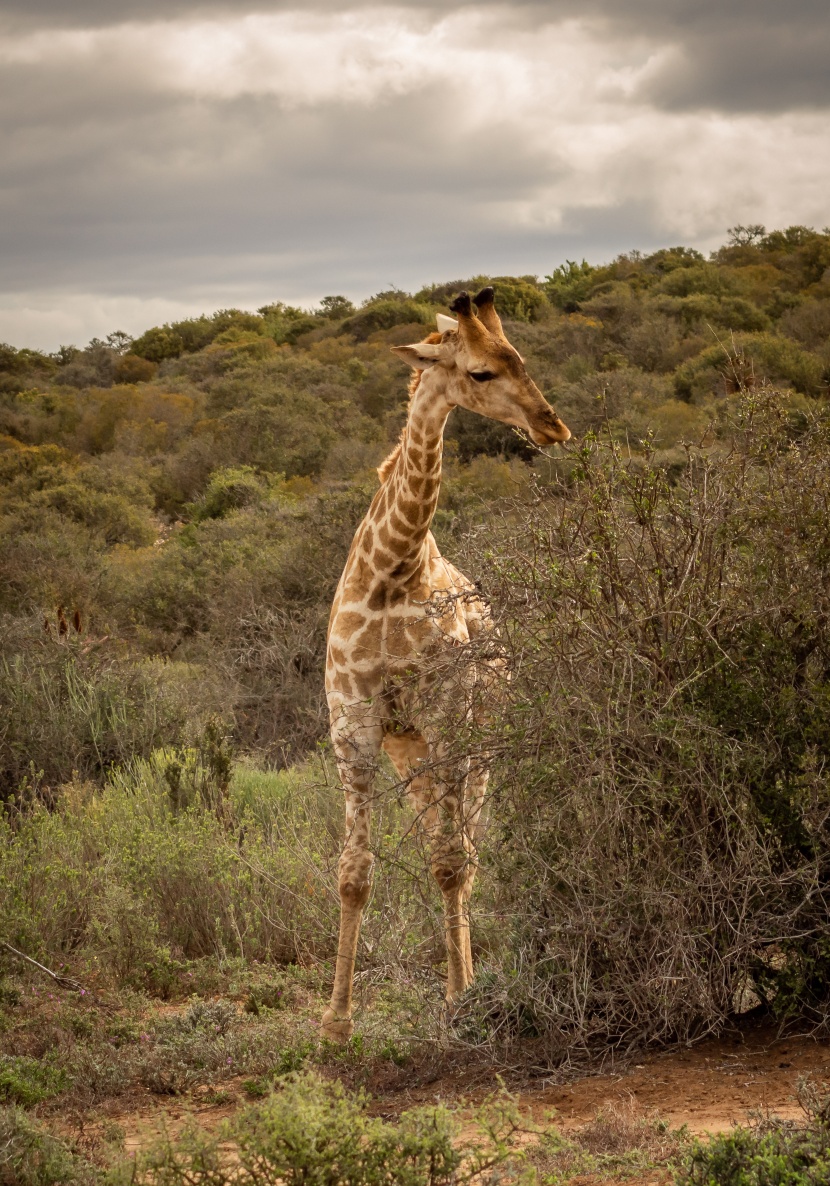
(376, 632)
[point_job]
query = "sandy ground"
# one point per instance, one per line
(708, 1087)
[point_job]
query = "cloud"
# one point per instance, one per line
(240, 156)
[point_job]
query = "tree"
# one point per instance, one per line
(335, 307)
(746, 236)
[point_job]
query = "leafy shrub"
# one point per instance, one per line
(770, 1152)
(31, 1156)
(229, 490)
(384, 313)
(73, 711)
(313, 1131)
(747, 361)
(27, 1081)
(570, 284)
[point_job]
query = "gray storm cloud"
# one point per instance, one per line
(160, 159)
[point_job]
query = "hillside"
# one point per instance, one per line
(192, 493)
(174, 514)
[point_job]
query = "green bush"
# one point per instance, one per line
(770, 1152)
(385, 312)
(229, 490)
(71, 711)
(168, 863)
(570, 284)
(747, 361)
(311, 1131)
(31, 1156)
(27, 1081)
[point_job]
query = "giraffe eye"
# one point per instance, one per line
(481, 376)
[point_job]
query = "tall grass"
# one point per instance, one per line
(166, 863)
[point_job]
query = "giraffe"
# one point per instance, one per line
(397, 604)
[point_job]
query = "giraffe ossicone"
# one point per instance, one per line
(398, 603)
(444, 323)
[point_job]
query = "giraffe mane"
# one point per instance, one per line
(387, 466)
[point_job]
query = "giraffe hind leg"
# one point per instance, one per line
(441, 813)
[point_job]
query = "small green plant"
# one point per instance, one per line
(781, 1156)
(294, 1058)
(769, 1152)
(26, 1081)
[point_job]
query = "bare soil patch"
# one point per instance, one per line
(708, 1088)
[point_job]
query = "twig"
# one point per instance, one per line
(64, 981)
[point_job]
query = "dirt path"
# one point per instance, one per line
(708, 1088)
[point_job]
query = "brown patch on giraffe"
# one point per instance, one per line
(349, 622)
(366, 546)
(381, 558)
(410, 509)
(405, 568)
(337, 655)
(398, 524)
(366, 684)
(342, 682)
(370, 638)
(377, 598)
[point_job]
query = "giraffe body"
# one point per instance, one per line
(399, 603)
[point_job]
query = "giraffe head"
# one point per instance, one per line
(483, 372)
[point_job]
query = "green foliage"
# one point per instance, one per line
(32, 1156)
(173, 861)
(774, 1155)
(229, 490)
(311, 1131)
(72, 711)
(192, 334)
(335, 307)
(28, 1081)
(744, 361)
(385, 312)
(569, 284)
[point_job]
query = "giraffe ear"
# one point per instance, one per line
(419, 356)
(444, 323)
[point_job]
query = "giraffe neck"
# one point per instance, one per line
(410, 495)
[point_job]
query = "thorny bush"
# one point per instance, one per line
(660, 740)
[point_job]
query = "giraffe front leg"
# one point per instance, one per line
(354, 882)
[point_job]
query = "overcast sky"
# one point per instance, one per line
(163, 158)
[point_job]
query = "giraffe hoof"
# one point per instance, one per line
(336, 1029)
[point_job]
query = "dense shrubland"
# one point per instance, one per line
(662, 805)
(661, 751)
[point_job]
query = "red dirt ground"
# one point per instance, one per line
(708, 1087)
